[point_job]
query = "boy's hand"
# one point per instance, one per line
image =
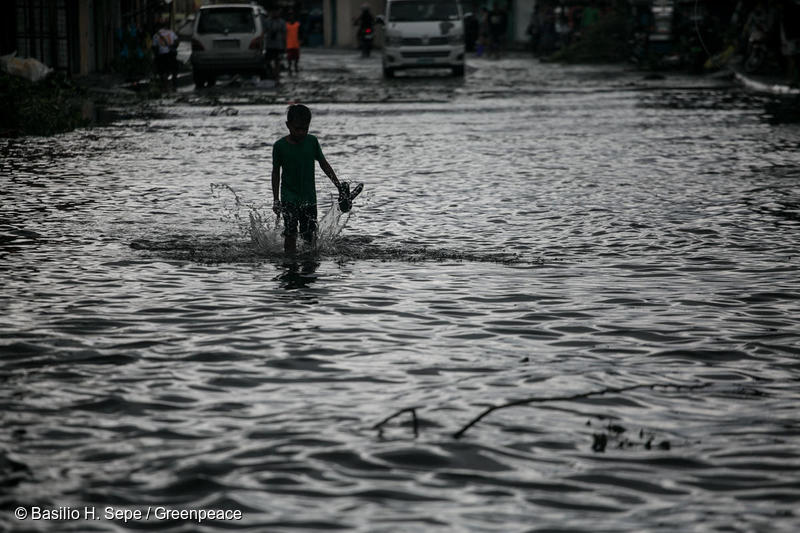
(276, 208)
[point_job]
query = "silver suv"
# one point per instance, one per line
(228, 39)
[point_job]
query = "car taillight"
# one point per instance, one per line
(197, 46)
(257, 43)
(369, 30)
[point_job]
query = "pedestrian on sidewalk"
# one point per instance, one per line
(165, 49)
(534, 28)
(498, 24)
(275, 31)
(293, 43)
(484, 31)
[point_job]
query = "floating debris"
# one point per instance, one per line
(224, 111)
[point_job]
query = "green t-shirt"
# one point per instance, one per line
(296, 163)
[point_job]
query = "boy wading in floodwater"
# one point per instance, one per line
(294, 190)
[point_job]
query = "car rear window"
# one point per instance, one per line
(226, 20)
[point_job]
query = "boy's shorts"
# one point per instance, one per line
(304, 216)
(293, 54)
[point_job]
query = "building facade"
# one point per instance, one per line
(78, 36)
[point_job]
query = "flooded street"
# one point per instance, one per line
(620, 255)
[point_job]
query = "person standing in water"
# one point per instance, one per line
(293, 42)
(294, 191)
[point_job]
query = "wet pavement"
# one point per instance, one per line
(333, 75)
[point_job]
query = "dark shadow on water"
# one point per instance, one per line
(363, 248)
(298, 273)
(199, 248)
(424, 76)
(777, 109)
(783, 110)
(711, 98)
(215, 249)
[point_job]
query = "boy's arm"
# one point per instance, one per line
(276, 188)
(326, 168)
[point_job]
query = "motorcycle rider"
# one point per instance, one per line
(365, 22)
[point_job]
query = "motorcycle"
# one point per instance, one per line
(366, 37)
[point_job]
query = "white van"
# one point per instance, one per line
(423, 34)
(228, 39)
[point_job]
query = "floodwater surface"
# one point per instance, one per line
(618, 256)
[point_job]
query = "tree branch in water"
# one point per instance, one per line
(412, 410)
(526, 401)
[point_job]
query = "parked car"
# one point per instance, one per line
(228, 39)
(423, 34)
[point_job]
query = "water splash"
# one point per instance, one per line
(234, 210)
(330, 225)
(264, 228)
(258, 235)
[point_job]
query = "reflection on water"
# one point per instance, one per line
(298, 274)
(617, 256)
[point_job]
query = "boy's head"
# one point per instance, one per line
(298, 118)
(299, 114)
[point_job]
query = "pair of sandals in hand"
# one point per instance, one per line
(346, 195)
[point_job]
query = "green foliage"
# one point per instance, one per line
(50, 106)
